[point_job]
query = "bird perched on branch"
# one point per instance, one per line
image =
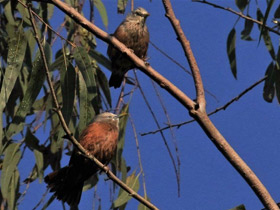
(133, 33)
(100, 140)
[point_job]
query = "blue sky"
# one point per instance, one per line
(250, 125)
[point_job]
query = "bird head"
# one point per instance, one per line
(106, 117)
(141, 13)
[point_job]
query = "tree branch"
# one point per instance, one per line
(240, 14)
(104, 168)
(178, 125)
(188, 52)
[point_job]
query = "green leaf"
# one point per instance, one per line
(100, 58)
(142, 206)
(122, 5)
(231, 51)
(24, 14)
(85, 66)
(68, 88)
(91, 182)
(102, 11)
(13, 190)
(49, 202)
(35, 84)
(241, 4)
(16, 52)
(270, 3)
(11, 160)
(103, 82)
(245, 34)
(31, 141)
(266, 36)
(133, 182)
(86, 110)
(277, 83)
(240, 207)
(39, 164)
(8, 13)
(269, 89)
(277, 12)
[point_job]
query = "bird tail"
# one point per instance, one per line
(115, 80)
(64, 184)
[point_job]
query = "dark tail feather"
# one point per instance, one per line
(115, 80)
(65, 186)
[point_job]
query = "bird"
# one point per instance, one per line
(100, 139)
(134, 34)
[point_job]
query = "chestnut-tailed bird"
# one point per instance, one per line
(100, 139)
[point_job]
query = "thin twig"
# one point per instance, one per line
(104, 168)
(178, 125)
(240, 14)
(171, 131)
(161, 133)
(180, 66)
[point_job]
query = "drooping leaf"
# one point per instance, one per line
(241, 4)
(31, 141)
(133, 182)
(91, 182)
(231, 52)
(266, 36)
(48, 202)
(103, 82)
(240, 207)
(269, 88)
(269, 6)
(13, 189)
(86, 110)
(277, 83)
(277, 12)
(11, 160)
(16, 52)
(39, 164)
(68, 88)
(33, 89)
(245, 34)
(102, 11)
(121, 6)
(142, 206)
(100, 58)
(8, 12)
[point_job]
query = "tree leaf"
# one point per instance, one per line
(68, 88)
(102, 11)
(103, 82)
(86, 110)
(13, 189)
(39, 164)
(121, 6)
(266, 36)
(277, 83)
(100, 58)
(231, 51)
(11, 160)
(133, 182)
(245, 34)
(269, 89)
(270, 3)
(16, 52)
(240, 207)
(142, 206)
(33, 89)
(277, 12)
(241, 4)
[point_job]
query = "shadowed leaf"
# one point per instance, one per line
(240, 207)
(245, 34)
(103, 82)
(231, 51)
(102, 11)
(266, 36)
(100, 58)
(241, 4)
(121, 6)
(277, 12)
(133, 182)
(269, 89)
(33, 89)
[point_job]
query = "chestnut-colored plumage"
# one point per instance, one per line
(133, 33)
(99, 139)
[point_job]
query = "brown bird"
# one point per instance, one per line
(100, 140)
(134, 34)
